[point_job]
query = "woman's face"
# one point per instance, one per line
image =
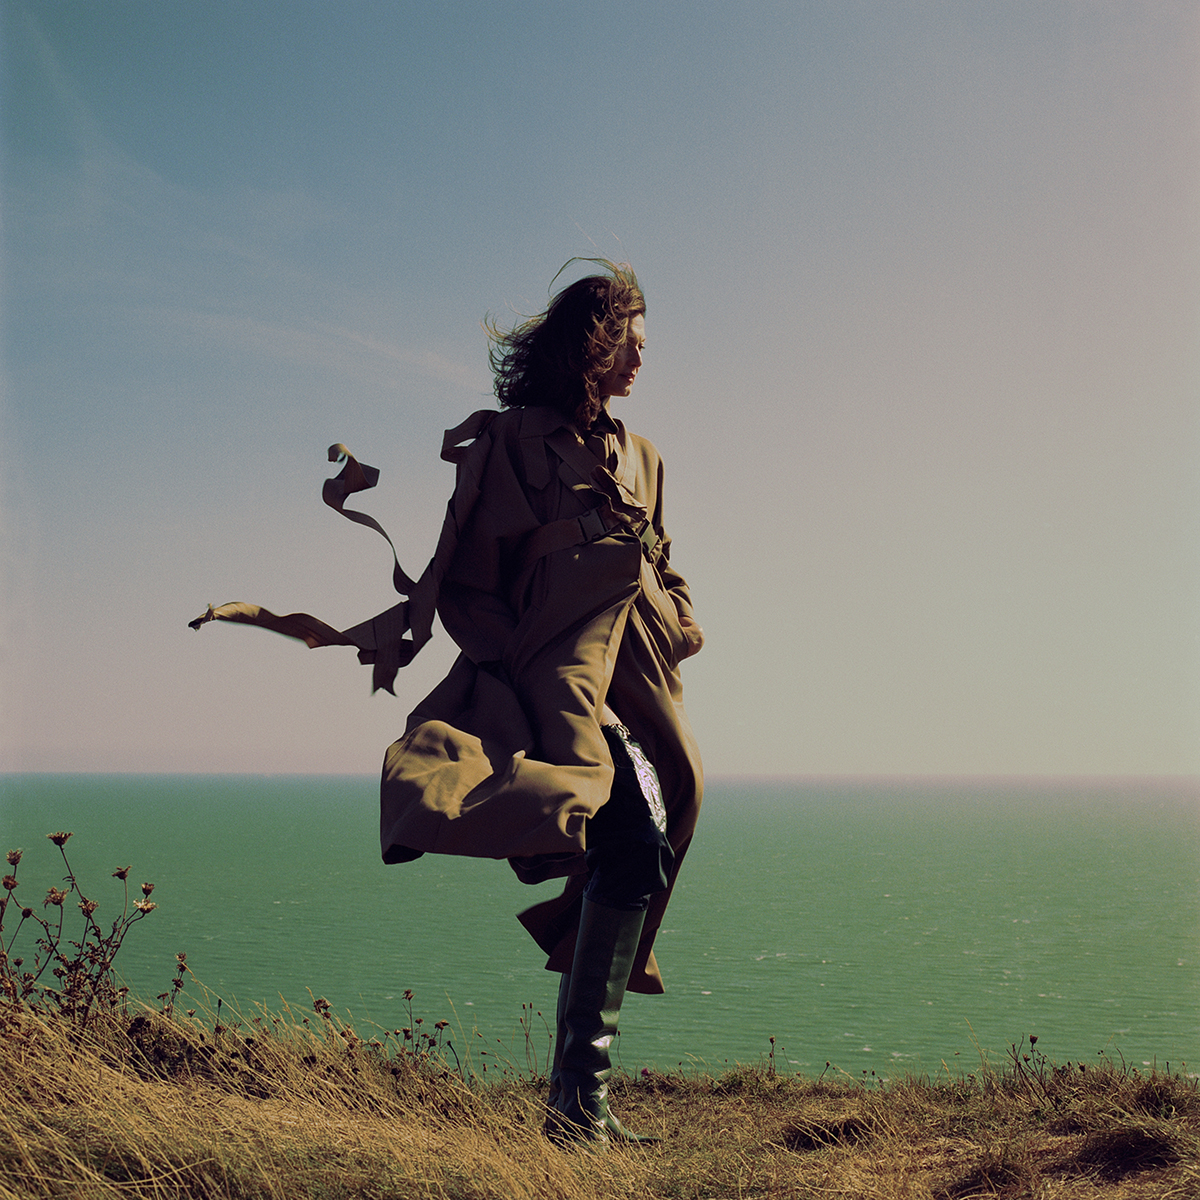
(628, 362)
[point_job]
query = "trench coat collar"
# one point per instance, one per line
(540, 421)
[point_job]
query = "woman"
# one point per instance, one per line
(559, 738)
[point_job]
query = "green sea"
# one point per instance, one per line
(883, 926)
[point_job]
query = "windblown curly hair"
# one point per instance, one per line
(558, 358)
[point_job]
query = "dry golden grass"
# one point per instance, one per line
(151, 1106)
(97, 1104)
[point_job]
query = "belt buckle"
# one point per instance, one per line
(649, 540)
(591, 525)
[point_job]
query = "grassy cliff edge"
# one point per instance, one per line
(101, 1100)
(150, 1105)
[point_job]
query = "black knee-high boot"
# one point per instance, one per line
(604, 952)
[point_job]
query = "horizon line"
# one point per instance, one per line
(822, 777)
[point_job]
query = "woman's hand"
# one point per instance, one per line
(693, 635)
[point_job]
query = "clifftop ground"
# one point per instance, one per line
(153, 1106)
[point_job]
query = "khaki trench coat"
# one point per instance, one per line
(505, 758)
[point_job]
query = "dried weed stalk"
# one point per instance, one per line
(71, 978)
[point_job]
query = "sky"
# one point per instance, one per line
(923, 280)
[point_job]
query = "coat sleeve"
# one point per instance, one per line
(673, 582)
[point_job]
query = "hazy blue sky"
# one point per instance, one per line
(923, 358)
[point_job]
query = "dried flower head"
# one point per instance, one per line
(14, 857)
(10, 882)
(55, 896)
(122, 872)
(87, 907)
(147, 888)
(26, 913)
(59, 839)
(145, 906)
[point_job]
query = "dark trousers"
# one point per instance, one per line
(628, 856)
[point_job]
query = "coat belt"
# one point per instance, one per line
(577, 531)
